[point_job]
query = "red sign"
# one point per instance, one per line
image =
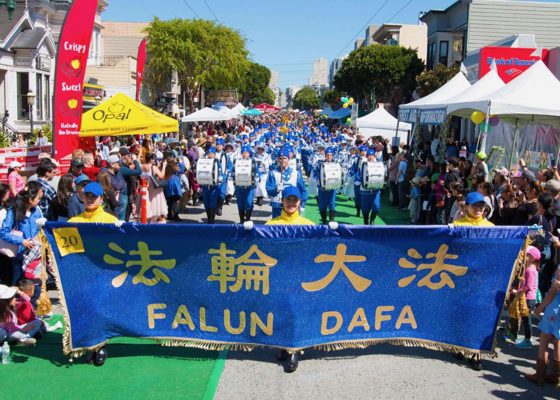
(510, 61)
(71, 62)
(141, 61)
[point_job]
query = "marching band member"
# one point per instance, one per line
(370, 198)
(245, 194)
(278, 180)
(263, 165)
(211, 194)
(353, 172)
(232, 155)
(226, 171)
(317, 158)
(327, 198)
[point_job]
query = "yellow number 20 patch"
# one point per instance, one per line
(68, 241)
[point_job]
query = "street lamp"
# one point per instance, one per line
(31, 103)
(10, 5)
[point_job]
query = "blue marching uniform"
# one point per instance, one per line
(211, 193)
(289, 178)
(354, 172)
(370, 199)
(246, 194)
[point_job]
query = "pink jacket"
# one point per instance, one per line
(11, 324)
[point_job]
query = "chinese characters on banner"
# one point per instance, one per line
(71, 62)
(290, 287)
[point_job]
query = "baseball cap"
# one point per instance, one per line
(291, 191)
(329, 150)
(286, 153)
(82, 179)
(6, 292)
(16, 164)
(94, 188)
(502, 171)
(77, 162)
(211, 150)
(474, 197)
(362, 148)
(553, 185)
(481, 155)
(220, 141)
(123, 151)
(529, 175)
(113, 159)
(371, 152)
(532, 250)
(416, 180)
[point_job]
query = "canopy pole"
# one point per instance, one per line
(486, 130)
(396, 141)
(513, 144)
(557, 153)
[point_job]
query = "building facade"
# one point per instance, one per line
(468, 25)
(28, 45)
(413, 36)
(334, 67)
(320, 73)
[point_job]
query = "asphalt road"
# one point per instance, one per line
(378, 372)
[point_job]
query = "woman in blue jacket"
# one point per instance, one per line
(21, 218)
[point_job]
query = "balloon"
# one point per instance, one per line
(477, 117)
(348, 122)
(483, 127)
(350, 100)
(344, 100)
(345, 105)
(495, 120)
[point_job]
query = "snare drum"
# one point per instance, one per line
(373, 175)
(244, 173)
(330, 176)
(207, 171)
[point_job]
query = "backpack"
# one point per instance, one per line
(410, 172)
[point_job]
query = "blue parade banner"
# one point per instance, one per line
(291, 287)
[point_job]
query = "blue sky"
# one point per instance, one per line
(285, 35)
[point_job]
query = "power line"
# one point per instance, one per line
(362, 28)
(390, 19)
(185, 1)
(215, 18)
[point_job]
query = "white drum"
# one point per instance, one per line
(373, 175)
(207, 171)
(330, 176)
(244, 173)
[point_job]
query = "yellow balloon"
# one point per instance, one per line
(350, 100)
(478, 117)
(345, 105)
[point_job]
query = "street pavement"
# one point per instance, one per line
(382, 371)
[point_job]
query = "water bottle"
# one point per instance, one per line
(6, 353)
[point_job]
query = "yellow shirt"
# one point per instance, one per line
(97, 216)
(469, 221)
(294, 219)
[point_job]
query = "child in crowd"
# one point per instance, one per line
(461, 211)
(22, 334)
(550, 332)
(414, 204)
(172, 191)
(25, 311)
(432, 210)
(528, 286)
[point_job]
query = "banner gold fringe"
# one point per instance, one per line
(218, 346)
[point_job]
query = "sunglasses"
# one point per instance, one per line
(478, 206)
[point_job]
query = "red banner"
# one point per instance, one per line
(510, 61)
(140, 67)
(71, 62)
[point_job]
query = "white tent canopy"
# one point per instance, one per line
(206, 114)
(238, 109)
(381, 123)
(531, 98)
(458, 84)
(221, 107)
(488, 84)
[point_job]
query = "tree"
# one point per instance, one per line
(430, 81)
(266, 96)
(306, 99)
(254, 83)
(199, 52)
(390, 71)
(330, 97)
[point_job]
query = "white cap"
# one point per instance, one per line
(6, 292)
(16, 164)
(114, 150)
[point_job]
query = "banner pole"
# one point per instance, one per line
(513, 144)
